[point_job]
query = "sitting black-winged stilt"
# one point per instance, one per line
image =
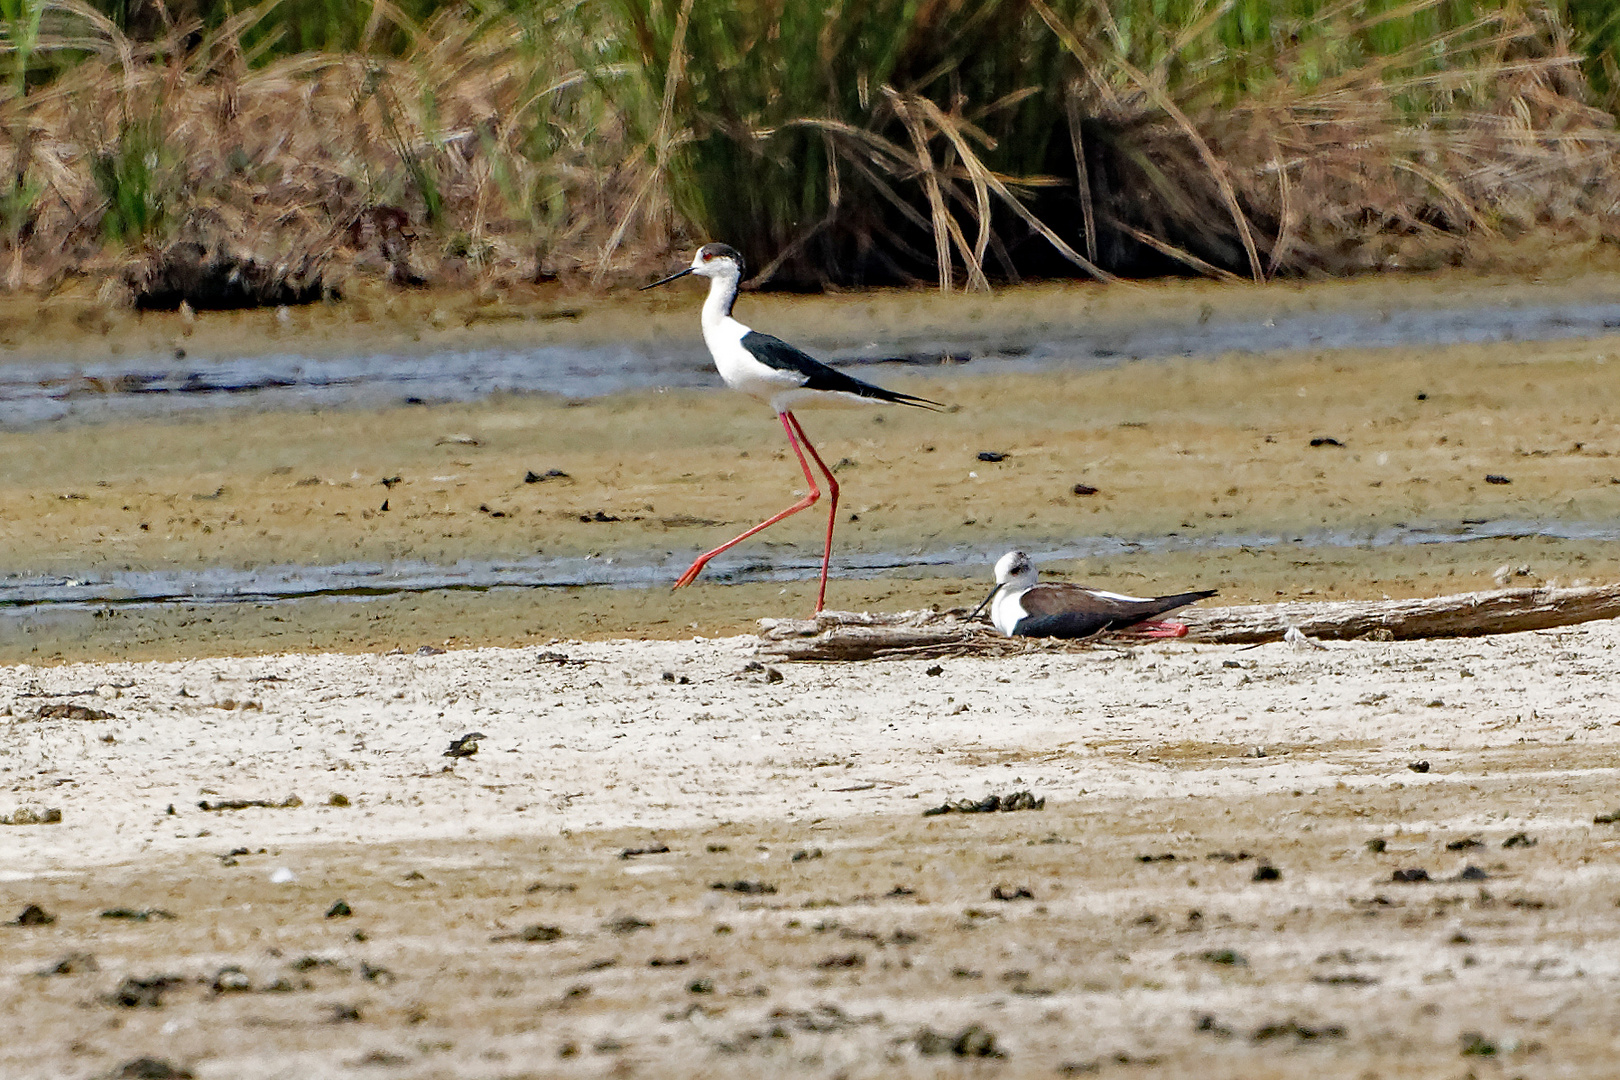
(1060, 610)
(775, 372)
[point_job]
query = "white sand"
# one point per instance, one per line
(605, 741)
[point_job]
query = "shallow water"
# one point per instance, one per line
(370, 580)
(39, 392)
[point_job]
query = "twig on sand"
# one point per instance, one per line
(845, 635)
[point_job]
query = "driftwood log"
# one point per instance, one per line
(844, 635)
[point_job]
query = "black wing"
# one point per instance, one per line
(776, 353)
(1072, 612)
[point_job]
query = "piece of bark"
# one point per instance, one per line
(1496, 611)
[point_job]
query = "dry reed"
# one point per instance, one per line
(568, 139)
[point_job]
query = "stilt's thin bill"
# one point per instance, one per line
(666, 281)
(985, 602)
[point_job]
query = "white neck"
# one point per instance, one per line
(722, 294)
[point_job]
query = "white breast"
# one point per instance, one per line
(737, 365)
(1008, 611)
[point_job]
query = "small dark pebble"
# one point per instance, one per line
(1164, 857)
(291, 802)
(339, 910)
(1471, 873)
(33, 915)
(804, 854)
(1208, 1023)
(1344, 980)
(992, 455)
(1326, 440)
(134, 993)
(843, 960)
(671, 677)
(1419, 766)
(1003, 893)
(1423, 397)
(748, 888)
(539, 932)
(650, 849)
(1476, 1045)
(1266, 872)
(466, 746)
(1496, 478)
(147, 1068)
(1293, 1027)
(971, 1041)
(1415, 874)
(668, 961)
(1465, 844)
(598, 516)
(1083, 489)
(71, 712)
(1224, 956)
(74, 963)
(700, 986)
(627, 924)
(1377, 845)
(532, 477)
(389, 481)
(1519, 839)
(773, 676)
(1611, 818)
(936, 669)
(1021, 800)
(1227, 856)
(339, 1013)
(231, 980)
(144, 915)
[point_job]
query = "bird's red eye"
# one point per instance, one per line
(707, 255)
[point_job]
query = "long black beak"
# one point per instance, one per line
(985, 601)
(666, 281)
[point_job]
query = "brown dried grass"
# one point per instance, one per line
(516, 156)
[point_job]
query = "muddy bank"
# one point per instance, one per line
(1284, 446)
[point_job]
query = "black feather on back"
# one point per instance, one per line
(1066, 611)
(776, 353)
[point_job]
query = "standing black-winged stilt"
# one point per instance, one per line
(778, 374)
(1060, 610)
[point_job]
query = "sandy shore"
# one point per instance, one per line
(807, 919)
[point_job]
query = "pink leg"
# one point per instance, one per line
(1155, 629)
(809, 500)
(832, 511)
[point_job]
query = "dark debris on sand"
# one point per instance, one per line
(1019, 800)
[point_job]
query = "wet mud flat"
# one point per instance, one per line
(1395, 859)
(1156, 472)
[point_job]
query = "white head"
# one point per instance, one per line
(1015, 568)
(719, 262)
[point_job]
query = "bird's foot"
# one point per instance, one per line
(1157, 629)
(691, 574)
